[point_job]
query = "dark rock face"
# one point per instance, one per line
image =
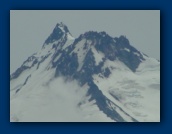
(107, 72)
(116, 50)
(131, 58)
(56, 35)
(67, 65)
(87, 70)
(106, 46)
(59, 31)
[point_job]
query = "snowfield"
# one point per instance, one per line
(55, 101)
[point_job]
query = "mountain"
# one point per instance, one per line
(92, 78)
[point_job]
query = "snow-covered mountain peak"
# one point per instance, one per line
(96, 76)
(60, 32)
(62, 26)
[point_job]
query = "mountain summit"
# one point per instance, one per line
(94, 77)
(59, 32)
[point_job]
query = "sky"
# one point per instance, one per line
(30, 28)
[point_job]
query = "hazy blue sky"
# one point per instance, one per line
(30, 28)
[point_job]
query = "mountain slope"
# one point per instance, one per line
(94, 77)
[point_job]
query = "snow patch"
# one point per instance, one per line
(126, 49)
(97, 55)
